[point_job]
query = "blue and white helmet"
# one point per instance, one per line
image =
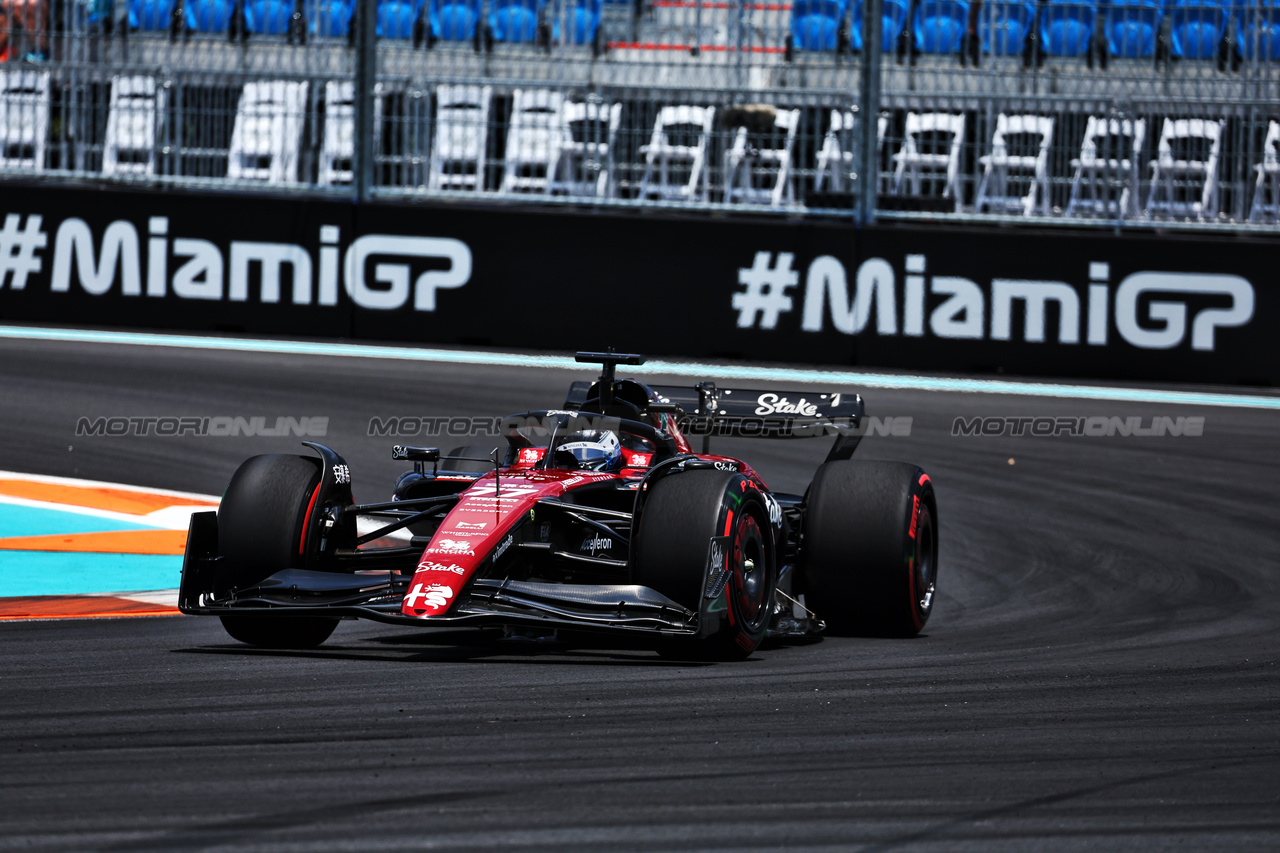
(597, 450)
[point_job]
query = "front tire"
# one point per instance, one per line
(264, 528)
(682, 516)
(871, 547)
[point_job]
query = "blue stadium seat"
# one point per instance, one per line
(209, 16)
(514, 21)
(1066, 27)
(1258, 30)
(1003, 27)
(396, 18)
(815, 23)
(1197, 27)
(454, 20)
(268, 17)
(329, 18)
(939, 25)
(150, 14)
(580, 20)
(893, 18)
(1131, 27)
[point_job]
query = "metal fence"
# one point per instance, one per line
(1163, 112)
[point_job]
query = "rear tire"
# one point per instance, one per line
(871, 547)
(681, 516)
(263, 528)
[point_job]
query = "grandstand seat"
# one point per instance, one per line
(1196, 28)
(268, 17)
(329, 18)
(1173, 179)
(1131, 27)
(911, 165)
(585, 164)
(209, 16)
(893, 19)
(744, 164)
(1268, 179)
(337, 146)
(1258, 29)
(461, 136)
(576, 21)
(999, 166)
(835, 157)
(268, 132)
(1108, 163)
(514, 21)
(1066, 27)
(939, 26)
(134, 121)
(453, 20)
(815, 24)
(661, 155)
(153, 15)
(534, 136)
(24, 118)
(396, 18)
(1003, 27)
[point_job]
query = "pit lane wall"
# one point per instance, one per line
(1055, 303)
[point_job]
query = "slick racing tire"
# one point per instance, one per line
(263, 529)
(871, 547)
(682, 515)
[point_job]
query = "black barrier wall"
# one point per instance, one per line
(1132, 306)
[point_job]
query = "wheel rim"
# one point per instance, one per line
(749, 581)
(925, 568)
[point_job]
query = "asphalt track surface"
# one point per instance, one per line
(1102, 669)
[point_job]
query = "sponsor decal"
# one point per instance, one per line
(597, 543)
(639, 460)
(1148, 309)
(469, 534)
(434, 596)
(341, 474)
(471, 525)
(502, 547)
(451, 546)
(530, 455)
(775, 509)
(772, 404)
(722, 465)
(432, 566)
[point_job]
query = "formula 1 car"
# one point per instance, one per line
(595, 516)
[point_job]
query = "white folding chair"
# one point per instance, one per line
(268, 132)
(912, 164)
(1108, 161)
(1268, 178)
(338, 144)
(134, 122)
(743, 164)
(999, 166)
(534, 136)
(660, 155)
(461, 132)
(1169, 175)
(585, 165)
(835, 158)
(24, 119)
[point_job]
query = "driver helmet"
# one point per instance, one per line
(596, 449)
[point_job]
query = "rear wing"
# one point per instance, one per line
(706, 410)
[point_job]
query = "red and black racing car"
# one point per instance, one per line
(599, 515)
